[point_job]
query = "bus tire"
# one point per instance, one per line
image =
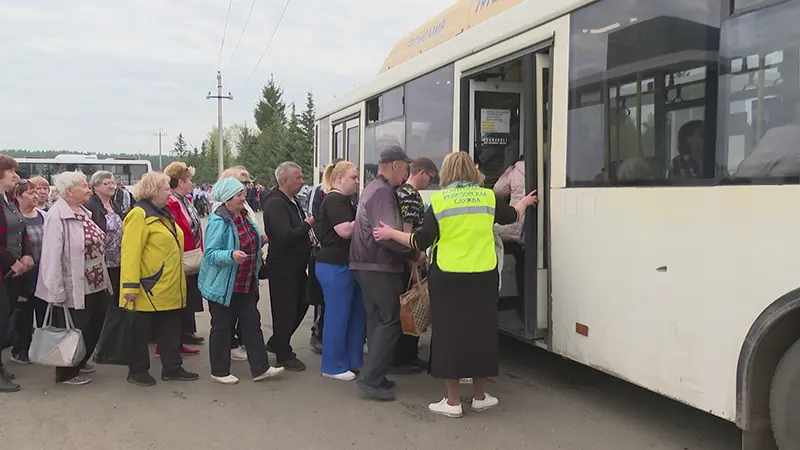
(784, 400)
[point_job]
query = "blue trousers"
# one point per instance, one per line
(345, 319)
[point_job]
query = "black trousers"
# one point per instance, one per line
(90, 321)
(166, 325)
(32, 308)
(243, 309)
(5, 316)
(287, 293)
(316, 298)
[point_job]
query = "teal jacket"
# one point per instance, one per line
(218, 270)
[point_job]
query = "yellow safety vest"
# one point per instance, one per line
(466, 240)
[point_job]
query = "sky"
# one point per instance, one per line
(105, 76)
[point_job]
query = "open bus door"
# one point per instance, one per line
(508, 119)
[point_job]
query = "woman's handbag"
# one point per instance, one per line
(115, 346)
(192, 260)
(415, 307)
(60, 347)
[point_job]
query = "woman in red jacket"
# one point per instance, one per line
(186, 217)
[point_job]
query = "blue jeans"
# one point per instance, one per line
(345, 319)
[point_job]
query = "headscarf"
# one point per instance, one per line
(226, 188)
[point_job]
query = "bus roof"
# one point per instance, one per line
(463, 29)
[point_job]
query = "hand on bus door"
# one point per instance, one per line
(532, 199)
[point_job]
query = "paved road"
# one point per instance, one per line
(546, 403)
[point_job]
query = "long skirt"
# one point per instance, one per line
(464, 324)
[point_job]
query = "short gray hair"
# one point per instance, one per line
(100, 176)
(66, 180)
(283, 171)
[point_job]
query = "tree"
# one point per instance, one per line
(248, 154)
(206, 169)
(270, 108)
(181, 148)
(300, 149)
(307, 126)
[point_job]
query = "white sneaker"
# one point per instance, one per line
(445, 409)
(465, 381)
(239, 354)
(345, 376)
(228, 379)
(272, 372)
(487, 402)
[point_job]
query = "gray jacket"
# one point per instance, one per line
(378, 203)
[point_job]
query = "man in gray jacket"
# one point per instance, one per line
(379, 268)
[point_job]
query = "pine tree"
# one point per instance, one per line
(307, 126)
(270, 108)
(181, 148)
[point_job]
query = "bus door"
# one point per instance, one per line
(508, 123)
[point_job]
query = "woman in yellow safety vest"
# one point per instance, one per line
(463, 281)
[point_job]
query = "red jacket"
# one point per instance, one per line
(176, 209)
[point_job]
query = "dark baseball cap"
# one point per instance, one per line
(393, 153)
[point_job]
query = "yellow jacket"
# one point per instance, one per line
(152, 260)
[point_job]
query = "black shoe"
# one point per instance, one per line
(404, 370)
(142, 379)
(388, 384)
(192, 339)
(21, 358)
(293, 365)
(6, 375)
(379, 393)
(316, 344)
(180, 374)
(8, 385)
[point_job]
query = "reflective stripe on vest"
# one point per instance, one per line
(466, 239)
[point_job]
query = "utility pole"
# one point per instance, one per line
(159, 134)
(220, 98)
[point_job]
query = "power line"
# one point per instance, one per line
(252, 5)
(224, 33)
(280, 19)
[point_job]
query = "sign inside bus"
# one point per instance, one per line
(444, 26)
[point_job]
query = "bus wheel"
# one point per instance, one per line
(784, 400)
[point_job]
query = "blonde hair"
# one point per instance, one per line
(39, 181)
(149, 185)
(177, 171)
(238, 172)
(334, 172)
(458, 166)
(66, 180)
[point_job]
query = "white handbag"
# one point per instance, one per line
(192, 260)
(60, 347)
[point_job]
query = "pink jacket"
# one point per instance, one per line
(512, 182)
(61, 269)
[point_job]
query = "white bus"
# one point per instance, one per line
(126, 171)
(664, 139)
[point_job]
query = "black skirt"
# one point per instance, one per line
(463, 324)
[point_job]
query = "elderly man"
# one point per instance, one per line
(379, 268)
(288, 230)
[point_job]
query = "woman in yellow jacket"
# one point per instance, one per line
(153, 281)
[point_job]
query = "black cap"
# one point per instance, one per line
(393, 153)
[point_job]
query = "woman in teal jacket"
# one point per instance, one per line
(228, 279)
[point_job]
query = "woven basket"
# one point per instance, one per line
(415, 306)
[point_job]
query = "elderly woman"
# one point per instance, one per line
(108, 217)
(14, 261)
(463, 280)
(229, 280)
(72, 271)
(26, 197)
(42, 191)
(153, 280)
(186, 217)
(238, 352)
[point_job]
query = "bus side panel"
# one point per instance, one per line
(669, 281)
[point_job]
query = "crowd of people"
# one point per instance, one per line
(350, 254)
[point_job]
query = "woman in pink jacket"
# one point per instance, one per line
(512, 183)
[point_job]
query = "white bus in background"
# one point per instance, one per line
(126, 171)
(664, 140)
